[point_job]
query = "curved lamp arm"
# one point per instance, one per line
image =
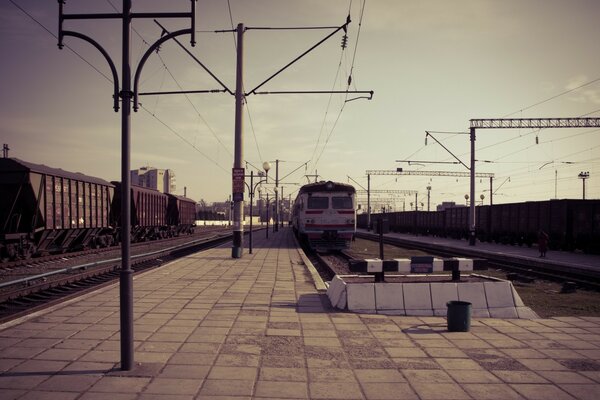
(106, 57)
(150, 50)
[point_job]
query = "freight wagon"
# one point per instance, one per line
(570, 224)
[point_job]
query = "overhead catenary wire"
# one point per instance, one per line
(553, 97)
(349, 82)
(54, 36)
(184, 139)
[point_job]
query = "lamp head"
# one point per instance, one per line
(266, 166)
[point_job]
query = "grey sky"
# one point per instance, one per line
(432, 64)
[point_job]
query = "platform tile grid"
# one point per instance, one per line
(210, 327)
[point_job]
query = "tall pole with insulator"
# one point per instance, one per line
(238, 203)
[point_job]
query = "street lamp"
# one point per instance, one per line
(466, 199)
(251, 189)
(583, 176)
(482, 197)
(275, 213)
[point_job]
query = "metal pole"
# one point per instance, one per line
(368, 202)
(281, 208)
(126, 274)
(238, 205)
(267, 215)
(472, 192)
(251, 201)
(276, 216)
(583, 188)
(491, 191)
(555, 183)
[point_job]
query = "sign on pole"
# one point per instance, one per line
(237, 178)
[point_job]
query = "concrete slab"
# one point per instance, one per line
(361, 297)
(417, 296)
(389, 296)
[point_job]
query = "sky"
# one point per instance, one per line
(433, 65)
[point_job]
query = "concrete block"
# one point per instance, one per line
(403, 265)
(417, 296)
(374, 265)
(440, 312)
(504, 312)
(464, 264)
(391, 312)
(361, 296)
(480, 313)
(517, 299)
(389, 296)
(337, 292)
(420, 313)
(441, 293)
(498, 294)
(438, 264)
(526, 313)
(473, 293)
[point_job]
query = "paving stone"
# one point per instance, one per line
(388, 390)
(582, 392)
(334, 390)
(213, 387)
(118, 384)
(378, 375)
(541, 392)
(55, 395)
(173, 386)
(519, 377)
(446, 391)
(492, 392)
(415, 376)
(284, 390)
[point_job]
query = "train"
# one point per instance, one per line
(46, 210)
(324, 215)
(570, 223)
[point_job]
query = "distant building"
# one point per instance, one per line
(446, 204)
(162, 180)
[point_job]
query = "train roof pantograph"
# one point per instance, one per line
(328, 186)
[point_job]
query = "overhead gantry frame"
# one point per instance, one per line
(516, 123)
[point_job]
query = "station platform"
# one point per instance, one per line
(530, 255)
(211, 327)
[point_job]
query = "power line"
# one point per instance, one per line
(193, 106)
(553, 97)
(183, 138)
(55, 37)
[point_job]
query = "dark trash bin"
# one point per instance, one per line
(459, 316)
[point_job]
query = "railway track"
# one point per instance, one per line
(581, 277)
(33, 292)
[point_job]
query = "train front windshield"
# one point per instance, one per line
(318, 203)
(341, 203)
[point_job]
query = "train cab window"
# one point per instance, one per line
(318, 203)
(341, 203)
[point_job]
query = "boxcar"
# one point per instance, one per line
(181, 214)
(148, 212)
(44, 209)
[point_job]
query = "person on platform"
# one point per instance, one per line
(542, 243)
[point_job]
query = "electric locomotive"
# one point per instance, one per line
(324, 215)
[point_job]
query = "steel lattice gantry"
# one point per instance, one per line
(421, 173)
(515, 123)
(508, 123)
(457, 174)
